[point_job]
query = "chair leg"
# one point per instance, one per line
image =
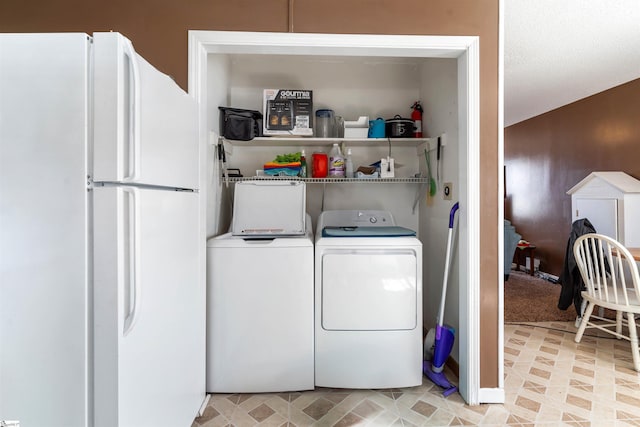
(583, 305)
(619, 315)
(633, 337)
(585, 319)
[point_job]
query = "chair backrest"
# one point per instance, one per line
(608, 269)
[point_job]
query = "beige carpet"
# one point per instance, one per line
(531, 299)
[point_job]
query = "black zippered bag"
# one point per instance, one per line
(240, 124)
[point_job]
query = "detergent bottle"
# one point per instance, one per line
(336, 162)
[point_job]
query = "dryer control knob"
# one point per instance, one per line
(373, 220)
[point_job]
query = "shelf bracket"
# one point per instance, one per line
(420, 192)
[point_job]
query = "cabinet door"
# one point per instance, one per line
(602, 213)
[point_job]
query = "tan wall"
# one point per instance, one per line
(158, 30)
(547, 155)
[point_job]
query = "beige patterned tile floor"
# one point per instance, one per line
(549, 380)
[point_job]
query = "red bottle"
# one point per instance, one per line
(416, 116)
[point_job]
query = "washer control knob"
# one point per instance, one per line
(373, 220)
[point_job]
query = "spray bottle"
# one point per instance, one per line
(349, 165)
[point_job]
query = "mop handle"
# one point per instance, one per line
(443, 299)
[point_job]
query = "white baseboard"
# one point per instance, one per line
(204, 404)
(491, 395)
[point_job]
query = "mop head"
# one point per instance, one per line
(437, 355)
(438, 379)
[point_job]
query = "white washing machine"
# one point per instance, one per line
(260, 293)
(368, 299)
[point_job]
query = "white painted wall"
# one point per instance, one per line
(377, 87)
(353, 87)
(439, 79)
(217, 84)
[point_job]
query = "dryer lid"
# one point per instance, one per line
(269, 208)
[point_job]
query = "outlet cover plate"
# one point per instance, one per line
(447, 190)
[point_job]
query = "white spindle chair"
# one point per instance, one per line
(611, 277)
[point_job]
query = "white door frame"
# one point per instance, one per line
(467, 52)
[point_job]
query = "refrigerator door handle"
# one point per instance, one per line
(134, 113)
(133, 284)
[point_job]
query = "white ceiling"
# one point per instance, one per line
(559, 51)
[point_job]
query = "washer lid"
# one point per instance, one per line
(269, 208)
(229, 241)
(366, 231)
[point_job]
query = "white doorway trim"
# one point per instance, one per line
(466, 51)
(469, 222)
(497, 395)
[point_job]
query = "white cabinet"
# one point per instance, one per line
(611, 202)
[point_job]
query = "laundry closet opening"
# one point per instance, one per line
(373, 76)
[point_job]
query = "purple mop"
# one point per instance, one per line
(437, 352)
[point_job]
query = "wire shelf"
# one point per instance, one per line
(333, 180)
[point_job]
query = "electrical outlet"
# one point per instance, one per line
(447, 189)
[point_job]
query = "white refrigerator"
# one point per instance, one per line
(102, 277)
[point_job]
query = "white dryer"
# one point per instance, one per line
(368, 299)
(260, 293)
